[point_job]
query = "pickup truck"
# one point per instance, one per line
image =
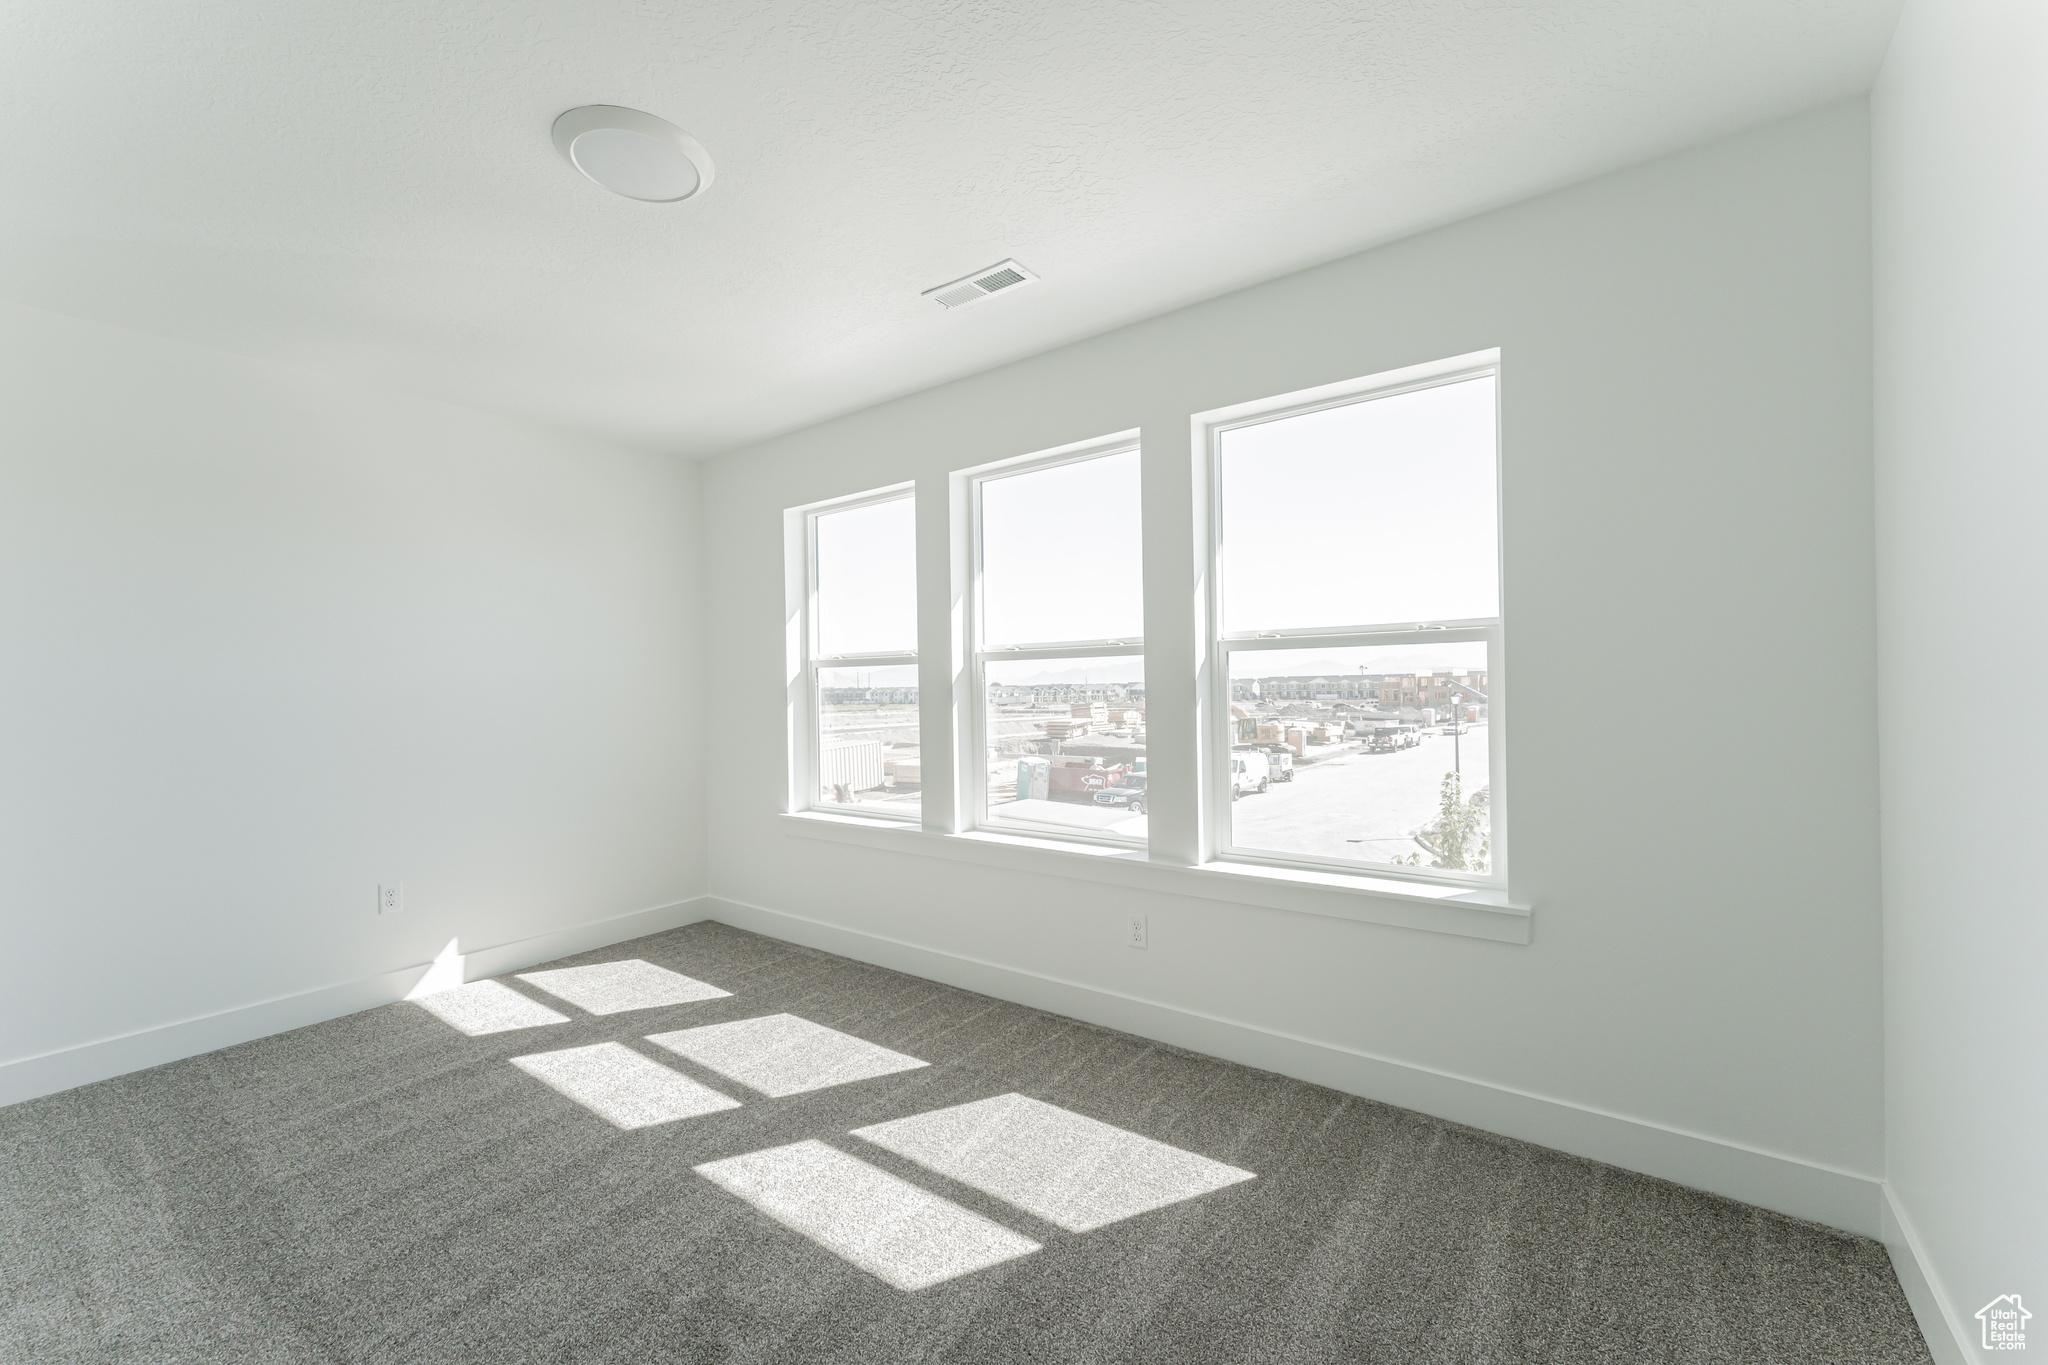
(1388, 738)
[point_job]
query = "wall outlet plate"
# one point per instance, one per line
(1136, 937)
(390, 897)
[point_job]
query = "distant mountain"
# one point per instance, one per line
(1288, 664)
(886, 675)
(1277, 664)
(1126, 670)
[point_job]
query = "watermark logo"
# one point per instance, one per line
(2005, 1323)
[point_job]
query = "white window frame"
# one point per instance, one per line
(806, 740)
(971, 699)
(1219, 645)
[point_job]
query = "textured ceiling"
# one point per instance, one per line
(369, 188)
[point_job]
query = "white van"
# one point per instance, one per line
(1249, 772)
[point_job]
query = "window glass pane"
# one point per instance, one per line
(1375, 513)
(1371, 755)
(867, 738)
(1066, 744)
(1060, 554)
(867, 579)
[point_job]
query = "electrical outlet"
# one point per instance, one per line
(1136, 939)
(390, 898)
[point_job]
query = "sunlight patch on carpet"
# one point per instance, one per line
(906, 1236)
(781, 1054)
(484, 1007)
(623, 1087)
(1075, 1172)
(614, 987)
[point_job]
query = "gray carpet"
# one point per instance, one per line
(382, 1188)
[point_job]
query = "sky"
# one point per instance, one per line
(1460, 657)
(867, 579)
(1061, 554)
(1374, 513)
(889, 675)
(1034, 672)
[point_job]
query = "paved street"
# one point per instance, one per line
(1361, 806)
(1364, 806)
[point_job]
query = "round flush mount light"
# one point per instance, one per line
(634, 154)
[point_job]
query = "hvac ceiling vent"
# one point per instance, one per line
(994, 279)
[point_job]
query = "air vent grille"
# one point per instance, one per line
(959, 294)
(979, 285)
(1000, 279)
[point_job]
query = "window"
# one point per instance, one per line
(1355, 629)
(861, 656)
(1058, 675)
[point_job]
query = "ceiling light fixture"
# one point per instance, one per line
(634, 154)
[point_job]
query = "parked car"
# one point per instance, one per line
(1130, 796)
(1282, 763)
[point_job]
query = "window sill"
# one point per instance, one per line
(1371, 900)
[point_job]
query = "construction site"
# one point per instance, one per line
(1351, 769)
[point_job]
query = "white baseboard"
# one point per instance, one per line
(1821, 1194)
(1951, 1339)
(27, 1077)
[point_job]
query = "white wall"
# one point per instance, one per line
(267, 640)
(1961, 169)
(1688, 500)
